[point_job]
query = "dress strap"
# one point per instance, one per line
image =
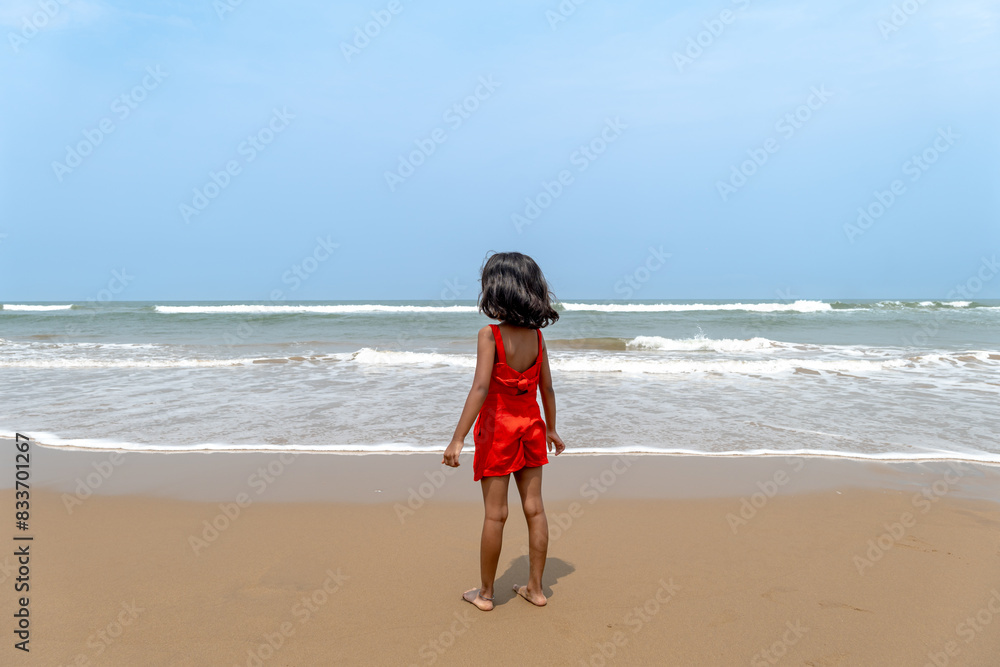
(538, 359)
(501, 354)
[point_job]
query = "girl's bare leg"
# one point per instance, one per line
(529, 485)
(495, 502)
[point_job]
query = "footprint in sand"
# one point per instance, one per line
(769, 595)
(841, 605)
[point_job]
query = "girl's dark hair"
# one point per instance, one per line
(514, 291)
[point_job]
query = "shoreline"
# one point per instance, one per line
(399, 449)
(293, 476)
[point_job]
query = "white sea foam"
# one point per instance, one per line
(15, 306)
(646, 355)
(920, 304)
(84, 362)
(738, 366)
(798, 306)
(320, 310)
(948, 304)
(397, 448)
(958, 358)
(622, 363)
(368, 356)
(703, 344)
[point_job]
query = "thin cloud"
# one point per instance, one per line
(73, 14)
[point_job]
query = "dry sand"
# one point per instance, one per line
(349, 560)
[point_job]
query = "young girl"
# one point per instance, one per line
(510, 437)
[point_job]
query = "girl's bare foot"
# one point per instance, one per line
(536, 598)
(473, 596)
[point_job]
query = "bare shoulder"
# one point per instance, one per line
(486, 335)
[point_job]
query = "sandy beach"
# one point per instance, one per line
(268, 559)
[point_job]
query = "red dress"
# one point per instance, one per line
(510, 432)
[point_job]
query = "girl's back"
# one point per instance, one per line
(520, 345)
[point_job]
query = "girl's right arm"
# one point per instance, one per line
(485, 352)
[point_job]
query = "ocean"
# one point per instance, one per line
(905, 380)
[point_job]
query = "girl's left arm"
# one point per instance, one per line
(552, 438)
(485, 351)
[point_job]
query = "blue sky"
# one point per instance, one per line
(648, 129)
